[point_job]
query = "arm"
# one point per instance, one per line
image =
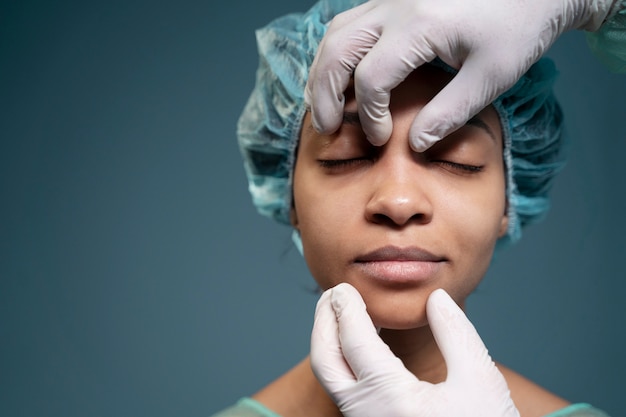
(491, 43)
(609, 42)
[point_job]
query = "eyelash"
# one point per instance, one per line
(344, 163)
(466, 168)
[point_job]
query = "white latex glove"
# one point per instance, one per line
(365, 378)
(492, 42)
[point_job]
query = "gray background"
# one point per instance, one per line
(136, 279)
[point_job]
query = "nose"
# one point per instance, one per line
(399, 196)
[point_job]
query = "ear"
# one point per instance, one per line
(293, 218)
(504, 222)
(504, 225)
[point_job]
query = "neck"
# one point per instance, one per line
(418, 351)
(299, 394)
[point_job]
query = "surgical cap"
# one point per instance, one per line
(269, 127)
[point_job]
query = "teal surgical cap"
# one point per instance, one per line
(269, 127)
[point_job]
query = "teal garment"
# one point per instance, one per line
(609, 42)
(247, 407)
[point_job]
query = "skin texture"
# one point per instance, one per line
(352, 198)
(386, 196)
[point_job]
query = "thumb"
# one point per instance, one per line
(471, 371)
(327, 361)
(470, 90)
(459, 342)
(365, 352)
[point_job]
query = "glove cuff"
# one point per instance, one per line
(600, 11)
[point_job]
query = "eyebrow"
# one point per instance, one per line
(352, 118)
(480, 123)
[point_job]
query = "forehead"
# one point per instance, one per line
(421, 85)
(418, 89)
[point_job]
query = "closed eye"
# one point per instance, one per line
(335, 164)
(460, 168)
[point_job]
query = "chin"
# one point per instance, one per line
(397, 314)
(400, 323)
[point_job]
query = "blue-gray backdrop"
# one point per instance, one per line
(136, 279)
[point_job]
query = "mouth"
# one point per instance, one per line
(394, 265)
(395, 254)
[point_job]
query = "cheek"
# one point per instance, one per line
(321, 243)
(475, 219)
(324, 222)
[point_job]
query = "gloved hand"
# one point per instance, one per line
(365, 378)
(492, 43)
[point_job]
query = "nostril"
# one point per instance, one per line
(398, 200)
(397, 220)
(381, 218)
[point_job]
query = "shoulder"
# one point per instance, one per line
(531, 399)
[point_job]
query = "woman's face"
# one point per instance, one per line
(398, 224)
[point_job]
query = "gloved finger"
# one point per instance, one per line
(337, 56)
(367, 355)
(350, 15)
(325, 99)
(459, 342)
(395, 56)
(472, 89)
(339, 29)
(327, 361)
(337, 24)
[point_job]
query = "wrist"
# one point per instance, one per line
(617, 7)
(598, 12)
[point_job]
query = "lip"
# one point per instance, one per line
(394, 265)
(394, 253)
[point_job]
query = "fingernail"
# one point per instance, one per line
(376, 141)
(338, 299)
(422, 141)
